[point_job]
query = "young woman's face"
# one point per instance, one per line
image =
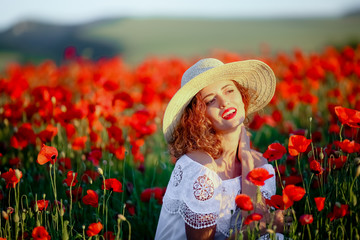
(224, 105)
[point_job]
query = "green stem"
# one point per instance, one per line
(341, 128)
(129, 229)
(309, 232)
(277, 169)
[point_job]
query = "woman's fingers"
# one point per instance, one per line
(244, 144)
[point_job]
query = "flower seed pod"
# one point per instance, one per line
(16, 218)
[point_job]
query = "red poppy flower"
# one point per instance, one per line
(244, 202)
(14, 161)
(42, 204)
(320, 203)
(47, 154)
(89, 175)
(64, 163)
(258, 176)
(252, 217)
(79, 143)
(12, 177)
(156, 193)
(76, 193)
(112, 184)
(115, 133)
(94, 229)
(119, 152)
(348, 146)
(292, 193)
(275, 201)
(94, 156)
(348, 116)
(139, 121)
(337, 163)
(131, 208)
(70, 130)
(109, 235)
(274, 151)
(40, 233)
(306, 219)
(298, 144)
(48, 134)
(91, 198)
(23, 137)
(315, 167)
(339, 211)
(122, 100)
(257, 122)
(71, 178)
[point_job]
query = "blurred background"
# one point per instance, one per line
(41, 29)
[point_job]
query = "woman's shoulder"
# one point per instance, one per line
(195, 164)
(200, 157)
(259, 160)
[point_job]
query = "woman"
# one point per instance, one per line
(204, 126)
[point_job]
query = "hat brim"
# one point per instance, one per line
(251, 74)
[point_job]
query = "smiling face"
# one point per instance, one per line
(224, 105)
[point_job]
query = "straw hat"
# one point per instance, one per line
(251, 74)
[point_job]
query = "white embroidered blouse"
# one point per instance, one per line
(196, 195)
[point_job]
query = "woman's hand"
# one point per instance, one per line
(244, 150)
(200, 234)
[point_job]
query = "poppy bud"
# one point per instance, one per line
(23, 216)
(309, 154)
(321, 155)
(357, 171)
(357, 161)
(121, 217)
(100, 171)
(62, 212)
(18, 173)
(5, 215)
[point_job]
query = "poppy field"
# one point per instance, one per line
(83, 156)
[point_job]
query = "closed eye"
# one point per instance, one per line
(210, 101)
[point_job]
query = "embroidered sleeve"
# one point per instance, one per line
(194, 193)
(269, 188)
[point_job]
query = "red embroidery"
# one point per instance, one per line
(203, 188)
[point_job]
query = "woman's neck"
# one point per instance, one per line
(230, 142)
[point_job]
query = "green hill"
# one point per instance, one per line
(136, 39)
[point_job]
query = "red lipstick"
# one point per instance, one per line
(229, 113)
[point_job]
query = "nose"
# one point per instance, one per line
(223, 102)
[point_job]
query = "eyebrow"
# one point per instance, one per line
(227, 85)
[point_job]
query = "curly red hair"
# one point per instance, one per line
(195, 132)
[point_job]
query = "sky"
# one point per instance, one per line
(67, 12)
